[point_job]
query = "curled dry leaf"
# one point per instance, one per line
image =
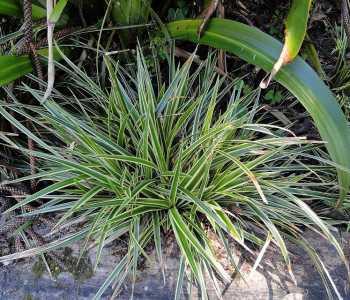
(53, 15)
(212, 8)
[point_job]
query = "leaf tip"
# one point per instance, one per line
(268, 77)
(266, 80)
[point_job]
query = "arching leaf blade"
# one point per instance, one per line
(262, 50)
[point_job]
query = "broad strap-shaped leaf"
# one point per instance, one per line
(294, 33)
(263, 51)
(13, 67)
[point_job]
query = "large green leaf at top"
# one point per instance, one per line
(13, 67)
(14, 8)
(295, 27)
(294, 33)
(262, 50)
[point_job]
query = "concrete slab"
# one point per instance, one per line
(271, 281)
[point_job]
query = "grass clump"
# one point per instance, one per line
(138, 159)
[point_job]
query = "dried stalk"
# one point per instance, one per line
(345, 5)
(28, 33)
(81, 10)
(24, 49)
(50, 66)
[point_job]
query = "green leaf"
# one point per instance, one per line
(171, 15)
(57, 11)
(175, 181)
(275, 233)
(248, 172)
(11, 36)
(181, 3)
(14, 8)
(295, 29)
(312, 53)
(179, 15)
(216, 216)
(130, 13)
(263, 50)
(278, 96)
(81, 202)
(185, 10)
(13, 67)
(269, 95)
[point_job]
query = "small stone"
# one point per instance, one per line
(146, 288)
(293, 296)
(7, 262)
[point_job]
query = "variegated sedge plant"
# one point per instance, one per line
(133, 159)
(255, 47)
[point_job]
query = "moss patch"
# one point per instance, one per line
(38, 269)
(81, 270)
(28, 297)
(67, 252)
(58, 285)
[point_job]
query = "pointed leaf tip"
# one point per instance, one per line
(282, 60)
